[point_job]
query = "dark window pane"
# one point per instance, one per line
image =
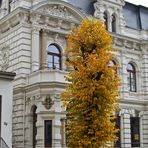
(48, 133)
(135, 131)
(34, 126)
(106, 20)
(113, 23)
(118, 142)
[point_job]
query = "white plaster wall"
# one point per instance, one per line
(6, 92)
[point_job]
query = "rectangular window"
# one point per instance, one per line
(118, 142)
(135, 131)
(48, 133)
(0, 113)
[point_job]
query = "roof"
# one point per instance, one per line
(136, 16)
(85, 6)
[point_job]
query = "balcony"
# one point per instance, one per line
(44, 76)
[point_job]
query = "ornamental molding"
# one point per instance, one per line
(56, 10)
(32, 99)
(20, 16)
(4, 58)
(59, 8)
(48, 102)
(127, 43)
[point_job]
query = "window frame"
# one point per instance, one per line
(106, 23)
(132, 83)
(114, 23)
(117, 121)
(53, 55)
(47, 145)
(34, 130)
(135, 143)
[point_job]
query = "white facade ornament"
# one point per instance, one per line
(5, 58)
(98, 13)
(56, 10)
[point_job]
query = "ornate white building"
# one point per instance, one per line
(32, 42)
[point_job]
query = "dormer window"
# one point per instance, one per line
(106, 20)
(113, 23)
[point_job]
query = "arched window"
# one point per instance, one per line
(113, 23)
(54, 57)
(131, 71)
(34, 115)
(106, 20)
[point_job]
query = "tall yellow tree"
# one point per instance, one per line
(92, 92)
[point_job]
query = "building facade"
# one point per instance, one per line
(6, 97)
(32, 43)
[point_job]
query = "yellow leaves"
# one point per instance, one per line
(92, 92)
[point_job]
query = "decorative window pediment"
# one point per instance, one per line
(59, 10)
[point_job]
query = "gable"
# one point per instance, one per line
(58, 9)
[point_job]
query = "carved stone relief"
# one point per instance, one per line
(56, 10)
(48, 102)
(5, 58)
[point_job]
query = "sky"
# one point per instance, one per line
(139, 2)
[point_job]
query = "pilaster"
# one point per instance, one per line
(43, 49)
(126, 130)
(145, 128)
(145, 71)
(35, 49)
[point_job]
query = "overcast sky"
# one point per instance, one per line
(139, 2)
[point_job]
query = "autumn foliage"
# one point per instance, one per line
(92, 92)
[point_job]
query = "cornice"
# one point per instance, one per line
(7, 75)
(133, 44)
(19, 15)
(12, 14)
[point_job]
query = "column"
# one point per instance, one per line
(63, 130)
(124, 62)
(35, 49)
(44, 49)
(28, 130)
(145, 71)
(40, 131)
